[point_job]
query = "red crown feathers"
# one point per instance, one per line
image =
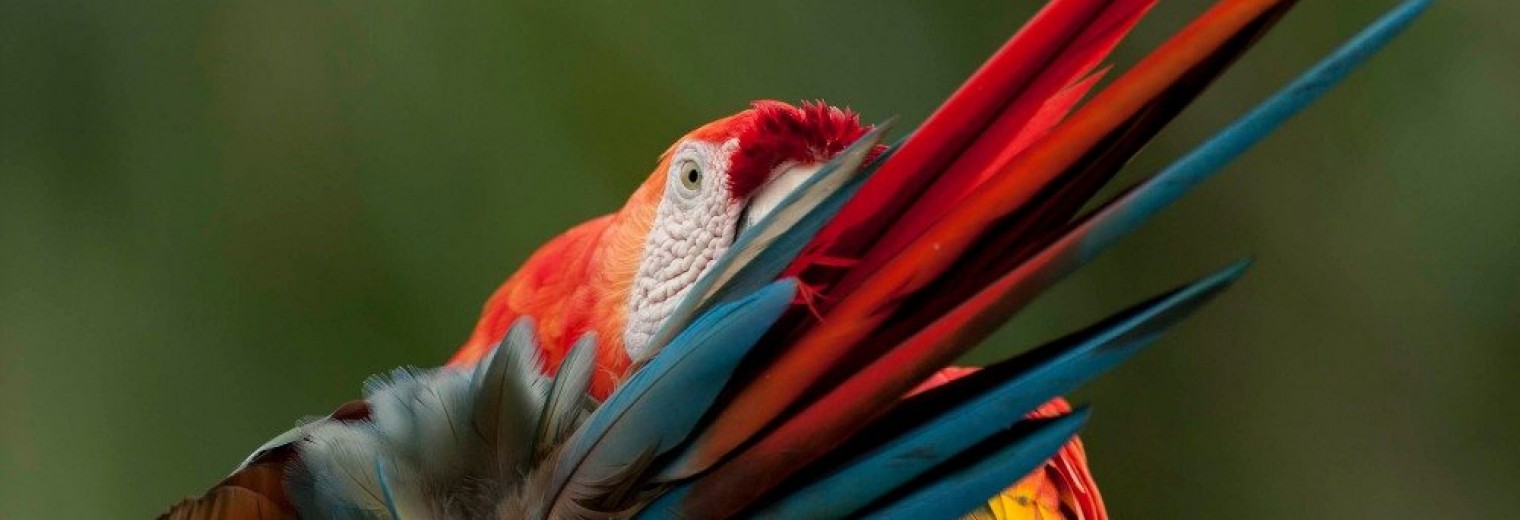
(773, 132)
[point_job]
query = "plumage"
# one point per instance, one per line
(764, 328)
(565, 402)
(510, 400)
(1047, 91)
(655, 410)
(862, 308)
(778, 133)
(966, 481)
(231, 502)
(582, 280)
(950, 419)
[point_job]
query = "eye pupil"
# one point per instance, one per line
(692, 178)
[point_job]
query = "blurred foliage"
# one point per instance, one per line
(216, 217)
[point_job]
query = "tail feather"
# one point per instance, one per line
(943, 421)
(1048, 96)
(804, 361)
(946, 133)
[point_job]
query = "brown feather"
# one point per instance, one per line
(228, 503)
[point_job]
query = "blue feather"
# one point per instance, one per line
(1057, 367)
(658, 407)
(961, 491)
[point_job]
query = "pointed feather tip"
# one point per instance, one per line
(1195, 294)
(1410, 9)
(1230, 273)
(1372, 38)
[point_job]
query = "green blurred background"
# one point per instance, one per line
(217, 217)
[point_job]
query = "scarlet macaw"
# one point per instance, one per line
(763, 328)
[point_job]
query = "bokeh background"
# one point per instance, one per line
(217, 217)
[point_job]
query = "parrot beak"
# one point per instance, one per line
(770, 196)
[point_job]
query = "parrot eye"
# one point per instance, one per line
(691, 176)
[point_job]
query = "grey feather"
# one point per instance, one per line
(403, 496)
(564, 405)
(445, 443)
(511, 397)
(337, 480)
(425, 418)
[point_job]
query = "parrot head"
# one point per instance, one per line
(620, 276)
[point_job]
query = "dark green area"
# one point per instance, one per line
(216, 217)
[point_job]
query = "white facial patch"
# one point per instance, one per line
(694, 225)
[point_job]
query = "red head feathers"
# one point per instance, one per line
(772, 133)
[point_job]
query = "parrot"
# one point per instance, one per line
(767, 327)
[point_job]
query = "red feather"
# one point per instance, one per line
(870, 385)
(921, 158)
(773, 133)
